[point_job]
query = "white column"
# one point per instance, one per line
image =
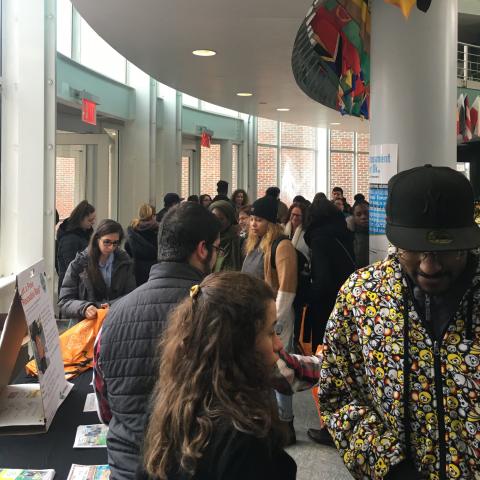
(169, 146)
(28, 136)
(321, 162)
(251, 151)
(226, 163)
(134, 180)
(413, 86)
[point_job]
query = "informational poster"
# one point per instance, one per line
(31, 315)
(383, 166)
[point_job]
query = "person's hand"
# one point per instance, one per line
(91, 312)
(104, 305)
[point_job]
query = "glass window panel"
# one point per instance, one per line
(98, 55)
(297, 135)
(209, 169)
(64, 27)
(297, 169)
(234, 167)
(266, 169)
(363, 142)
(341, 174)
(267, 131)
(189, 101)
(341, 140)
(65, 186)
(185, 181)
(362, 174)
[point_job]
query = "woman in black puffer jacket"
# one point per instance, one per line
(98, 276)
(142, 243)
(73, 236)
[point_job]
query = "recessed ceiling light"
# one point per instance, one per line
(244, 94)
(283, 109)
(204, 53)
(335, 123)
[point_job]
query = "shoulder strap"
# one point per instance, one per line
(347, 252)
(274, 249)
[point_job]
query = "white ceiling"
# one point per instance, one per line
(253, 40)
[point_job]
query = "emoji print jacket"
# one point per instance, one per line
(388, 391)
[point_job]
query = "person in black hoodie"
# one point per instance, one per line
(73, 236)
(332, 261)
(141, 242)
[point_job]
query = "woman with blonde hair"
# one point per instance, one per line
(141, 242)
(221, 422)
(271, 256)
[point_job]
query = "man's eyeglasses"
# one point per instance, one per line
(220, 250)
(438, 256)
(110, 243)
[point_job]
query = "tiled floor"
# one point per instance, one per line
(314, 462)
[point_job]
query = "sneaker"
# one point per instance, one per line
(321, 436)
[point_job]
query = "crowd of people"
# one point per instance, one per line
(205, 308)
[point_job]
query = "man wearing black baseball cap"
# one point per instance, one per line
(399, 376)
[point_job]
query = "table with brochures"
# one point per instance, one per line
(54, 449)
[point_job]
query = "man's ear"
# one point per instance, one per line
(201, 251)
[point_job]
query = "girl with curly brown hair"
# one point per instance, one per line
(213, 413)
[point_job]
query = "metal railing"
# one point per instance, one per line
(468, 62)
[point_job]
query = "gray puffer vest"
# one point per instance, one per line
(128, 358)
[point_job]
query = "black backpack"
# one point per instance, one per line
(302, 296)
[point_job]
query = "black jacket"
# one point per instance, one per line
(128, 358)
(77, 291)
(234, 455)
(332, 261)
(68, 244)
(141, 245)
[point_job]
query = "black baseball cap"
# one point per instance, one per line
(431, 209)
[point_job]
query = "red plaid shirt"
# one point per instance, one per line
(104, 412)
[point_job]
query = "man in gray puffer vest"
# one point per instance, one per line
(126, 349)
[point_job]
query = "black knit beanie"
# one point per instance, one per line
(266, 207)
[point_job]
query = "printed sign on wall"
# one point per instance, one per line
(383, 166)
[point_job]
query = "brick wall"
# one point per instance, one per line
(362, 174)
(267, 131)
(341, 174)
(65, 186)
(185, 181)
(342, 163)
(266, 169)
(297, 135)
(209, 169)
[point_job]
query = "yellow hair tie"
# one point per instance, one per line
(194, 291)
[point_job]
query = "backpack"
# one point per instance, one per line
(302, 296)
